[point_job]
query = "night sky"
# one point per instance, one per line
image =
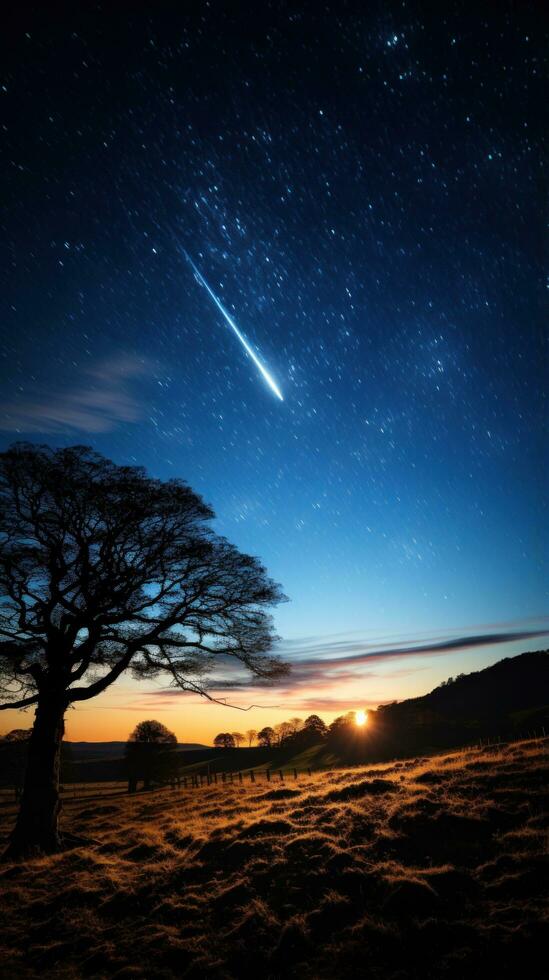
(361, 186)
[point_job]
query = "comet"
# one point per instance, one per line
(247, 347)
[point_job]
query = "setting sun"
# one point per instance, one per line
(360, 717)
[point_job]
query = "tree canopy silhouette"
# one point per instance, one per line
(266, 737)
(104, 569)
(224, 741)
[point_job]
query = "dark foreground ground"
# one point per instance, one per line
(428, 868)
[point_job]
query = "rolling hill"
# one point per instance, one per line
(417, 869)
(504, 700)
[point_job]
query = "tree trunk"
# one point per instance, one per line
(36, 830)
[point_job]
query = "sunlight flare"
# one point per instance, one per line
(361, 718)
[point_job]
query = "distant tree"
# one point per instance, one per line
(340, 727)
(224, 741)
(315, 725)
(149, 754)
(387, 707)
(283, 731)
(296, 724)
(17, 735)
(238, 738)
(312, 731)
(251, 735)
(347, 738)
(266, 737)
(102, 570)
(447, 683)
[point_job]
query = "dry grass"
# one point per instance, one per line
(428, 868)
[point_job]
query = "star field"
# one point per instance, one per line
(362, 191)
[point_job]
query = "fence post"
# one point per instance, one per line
(268, 775)
(281, 776)
(309, 771)
(231, 775)
(215, 778)
(252, 777)
(295, 773)
(239, 777)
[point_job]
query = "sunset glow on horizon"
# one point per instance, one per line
(322, 681)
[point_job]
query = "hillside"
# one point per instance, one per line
(504, 700)
(426, 868)
(507, 687)
(507, 700)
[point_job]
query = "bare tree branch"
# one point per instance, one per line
(24, 703)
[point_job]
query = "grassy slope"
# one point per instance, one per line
(427, 868)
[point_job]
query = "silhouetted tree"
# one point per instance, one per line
(224, 741)
(283, 731)
(238, 738)
(340, 729)
(149, 754)
(251, 734)
(349, 740)
(315, 725)
(17, 735)
(266, 737)
(102, 570)
(312, 731)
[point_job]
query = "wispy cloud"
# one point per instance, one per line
(98, 403)
(323, 667)
(339, 654)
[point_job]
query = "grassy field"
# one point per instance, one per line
(427, 868)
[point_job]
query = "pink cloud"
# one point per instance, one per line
(339, 663)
